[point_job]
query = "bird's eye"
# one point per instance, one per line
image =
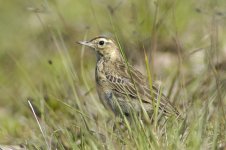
(101, 43)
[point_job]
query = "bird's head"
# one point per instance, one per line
(105, 47)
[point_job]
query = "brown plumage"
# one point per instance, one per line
(122, 87)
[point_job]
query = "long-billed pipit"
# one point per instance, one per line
(121, 87)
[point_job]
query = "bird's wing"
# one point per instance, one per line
(130, 82)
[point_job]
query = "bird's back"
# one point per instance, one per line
(126, 85)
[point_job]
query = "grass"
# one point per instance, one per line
(41, 64)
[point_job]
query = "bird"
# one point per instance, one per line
(122, 88)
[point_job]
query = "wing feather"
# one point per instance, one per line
(130, 82)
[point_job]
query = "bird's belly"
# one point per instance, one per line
(119, 105)
(105, 97)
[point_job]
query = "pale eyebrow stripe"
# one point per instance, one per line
(110, 41)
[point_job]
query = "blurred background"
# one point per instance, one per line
(41, 62)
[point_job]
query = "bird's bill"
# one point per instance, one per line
(86, 43)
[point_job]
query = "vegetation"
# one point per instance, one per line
(48, 98)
